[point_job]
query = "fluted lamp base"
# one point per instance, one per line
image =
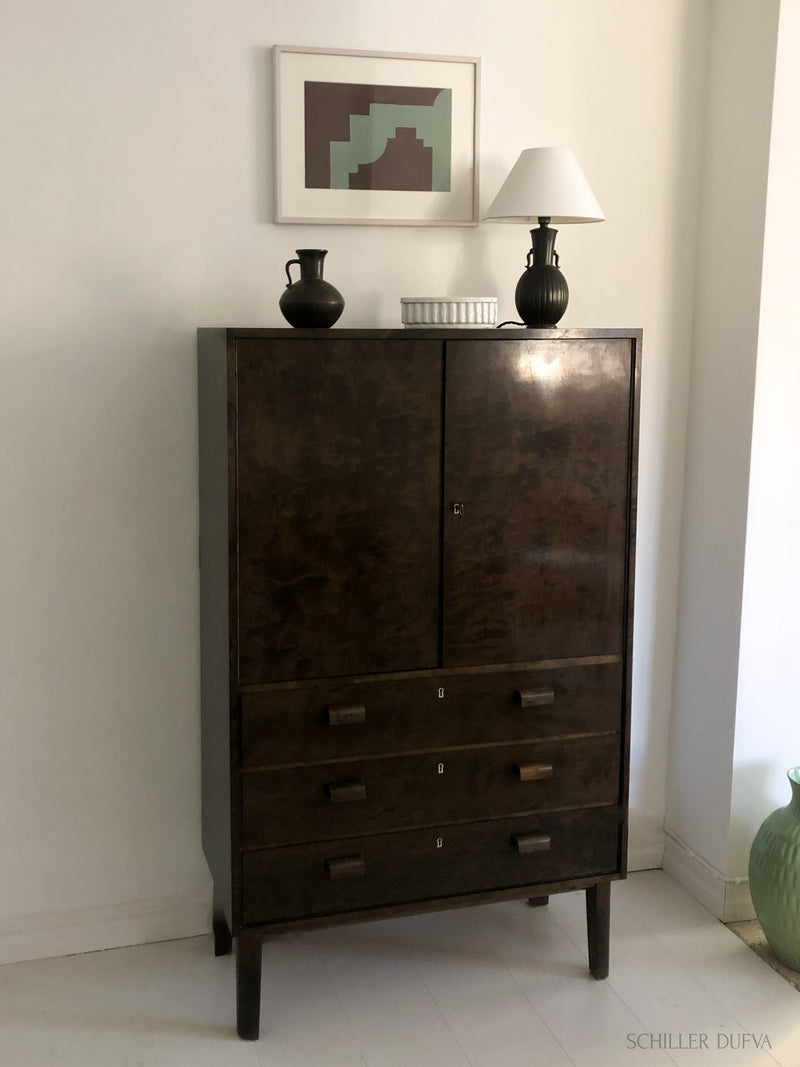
(542, 294)
(541, 297)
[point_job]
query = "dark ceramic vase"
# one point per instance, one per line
(310, 301)
(542, 295)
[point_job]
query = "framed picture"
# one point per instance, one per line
(375, 138)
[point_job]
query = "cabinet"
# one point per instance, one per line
(417, 558)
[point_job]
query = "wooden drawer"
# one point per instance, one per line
(344, 719)
(372, 796)
(350, 874)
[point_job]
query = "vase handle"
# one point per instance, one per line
(288, 275)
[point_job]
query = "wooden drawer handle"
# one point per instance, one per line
(525, 843)
(529, 698)
(531, 772)
(347, 715)
(345, 867)
(346, 792)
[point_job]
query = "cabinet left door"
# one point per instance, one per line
(338, 503)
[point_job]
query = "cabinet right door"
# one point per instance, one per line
(536, 494)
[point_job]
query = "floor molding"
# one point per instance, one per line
(33, 937)
(725, 897)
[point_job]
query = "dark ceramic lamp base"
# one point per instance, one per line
(542, 295)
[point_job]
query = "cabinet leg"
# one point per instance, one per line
(223, 942)
(248, 986)
(538, 902)
(598, 918)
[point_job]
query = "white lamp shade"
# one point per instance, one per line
(545, 183)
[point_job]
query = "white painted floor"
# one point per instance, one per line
(494, 986)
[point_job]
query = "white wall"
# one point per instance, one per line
(767, 741)
(730, 246)
(735, 728)
(137, 206)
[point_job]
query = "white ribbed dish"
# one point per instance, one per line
(440, 311)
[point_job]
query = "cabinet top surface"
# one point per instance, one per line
(436, 333)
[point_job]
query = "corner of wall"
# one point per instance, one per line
(728, 898)
(645, 842)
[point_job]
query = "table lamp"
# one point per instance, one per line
(548, 185)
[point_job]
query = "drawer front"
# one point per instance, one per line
(347, 875)
(347, 719)
(333, 800)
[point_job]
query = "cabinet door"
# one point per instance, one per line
(338, 495)
(536, 491)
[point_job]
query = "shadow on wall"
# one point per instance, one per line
(471, 274)
(104, 658)
(263, 134)
(754, 798)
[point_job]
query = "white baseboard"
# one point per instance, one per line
(727, 898)
(33, 937)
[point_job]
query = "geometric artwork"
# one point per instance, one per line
(377, 137)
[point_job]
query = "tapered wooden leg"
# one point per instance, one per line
(538, 902)
(223, 942)
(248, 986)
(598, 919)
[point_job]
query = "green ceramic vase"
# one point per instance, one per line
(775, 877)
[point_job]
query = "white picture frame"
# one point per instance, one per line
(317, 138)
